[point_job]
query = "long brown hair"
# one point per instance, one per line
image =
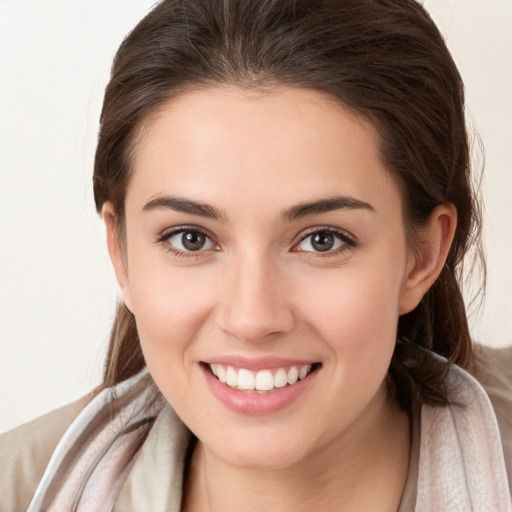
(385, 59)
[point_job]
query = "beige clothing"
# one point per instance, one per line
(495, 375)
(25, 451)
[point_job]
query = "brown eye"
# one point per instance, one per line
(325, 241)
(193, 240)
(322, 241)
(187, 241)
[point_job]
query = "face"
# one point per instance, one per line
(265, 239)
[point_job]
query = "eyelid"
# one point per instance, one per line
(167, 233)
(347, 238)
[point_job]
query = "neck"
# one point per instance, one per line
(364, 469)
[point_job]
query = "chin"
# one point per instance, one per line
(278, 452)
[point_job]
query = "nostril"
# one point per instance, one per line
(260, 327)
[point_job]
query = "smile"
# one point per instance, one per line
(259, 386)
(262, 381)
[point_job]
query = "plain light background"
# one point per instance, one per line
(57, 291)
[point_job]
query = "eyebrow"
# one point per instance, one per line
(325, 205)
(181, 204)
(184, 205)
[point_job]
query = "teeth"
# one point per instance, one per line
(221, 373)
(280, 378)
(304, 371)
(264, 380)
(245, 379)
(293, 375)
(231, 377)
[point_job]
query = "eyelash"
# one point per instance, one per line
(166, 235)
(348, 240)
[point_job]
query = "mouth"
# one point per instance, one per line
(262, 381)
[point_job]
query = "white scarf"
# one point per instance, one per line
(461, 463)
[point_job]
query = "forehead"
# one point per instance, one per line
(287, 145)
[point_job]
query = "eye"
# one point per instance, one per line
(187, 240)
(324, 241)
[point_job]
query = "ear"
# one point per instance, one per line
(427, 259)
(115, 250)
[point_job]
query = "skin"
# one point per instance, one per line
(258, 289)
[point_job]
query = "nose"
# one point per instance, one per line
(255, 304)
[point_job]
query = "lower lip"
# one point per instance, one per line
(257, 403)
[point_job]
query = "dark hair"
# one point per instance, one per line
(384, 59)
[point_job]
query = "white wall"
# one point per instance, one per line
(57, 292)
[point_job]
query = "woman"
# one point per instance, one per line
(286, 191)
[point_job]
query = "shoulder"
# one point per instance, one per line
(26, 450)
(494, 371)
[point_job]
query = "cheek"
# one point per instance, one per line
(357, 321)
(170, 306)
(357, 307)
(355, 311)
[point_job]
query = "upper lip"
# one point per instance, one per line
(257, 363)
